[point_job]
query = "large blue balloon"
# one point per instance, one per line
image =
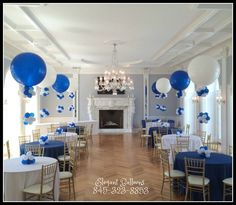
(61, 84)
(154, 89)
(28, 69)
(179, 80)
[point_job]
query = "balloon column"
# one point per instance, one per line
(179, 80)
(61, 84)
(203, 117)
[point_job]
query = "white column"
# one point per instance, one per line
(224, 133)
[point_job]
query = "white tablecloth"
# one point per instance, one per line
(155, 124)
(194, 141)
(18, 176)
(70, 136)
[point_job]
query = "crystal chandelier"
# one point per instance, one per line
(114, 80)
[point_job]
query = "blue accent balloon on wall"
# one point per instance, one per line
(61, 84)
(154, 88)
(179, 80)
(28, 69)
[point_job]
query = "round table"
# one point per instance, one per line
(217, 168)
(52, 149)
(65, 129)
(70, 136)
(18, 176)
(194, 141)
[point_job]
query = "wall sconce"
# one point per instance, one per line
(195, 99)
(220, 99)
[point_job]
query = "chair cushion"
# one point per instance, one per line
(175, 173)
(65, 175)
(81, 145)
(35, 189)
(158, 145)
(197, 180)
(61, 158)
(228, 181)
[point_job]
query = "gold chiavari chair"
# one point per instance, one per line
(144, 137)
(8, 149)
(36, 150)
(213, 146)
(90, 133)
(65, 158)
(24, 139)
(59, 137)
(195, 177)
(230, 150)
(36, 134)
(176, 148)
(67, 177)
(71, 129)
(202, 135)
(168, 174)
(157, 142)
(187, 129)
(227, 187)
(183, 142)
(54, 127)
(46, 187)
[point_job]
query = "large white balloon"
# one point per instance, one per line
(49, 79)
(203, 70)
(163, 85)
(73, 85)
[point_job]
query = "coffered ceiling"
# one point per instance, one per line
(161, 37)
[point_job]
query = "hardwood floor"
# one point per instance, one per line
(119, 159)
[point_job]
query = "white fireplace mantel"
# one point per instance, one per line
(112, 103)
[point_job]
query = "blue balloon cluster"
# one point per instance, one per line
(161, 95)
(71, 107)
(60, 108)
(44, 113)
(71, 124)
(29, 118)
(43, 139)
(179, 94)
(161, 107)
(71, 95)
(203, 91)
(179, 111)
(154, 90)
(60, 96)
(28, 91)
(203, 117)
(59, 130)
(28, 69)
(44, 92)
(179, 131)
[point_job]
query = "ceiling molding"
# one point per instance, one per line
(186, 32)
(36, 22)
(219, 6)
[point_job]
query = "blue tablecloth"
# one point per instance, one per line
(151, 129)
(65, 129)
(217, 168)
(52, 149)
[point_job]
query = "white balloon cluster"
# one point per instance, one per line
(203, 150)
(71, 95)
(60, 96)
(179, 111)
(60, 108)
(71, 107)
(27, 158)
(203, 117)
(202, 92)
(44, 91)
(161, 107)
(44, 113)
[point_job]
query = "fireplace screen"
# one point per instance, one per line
(111, 119)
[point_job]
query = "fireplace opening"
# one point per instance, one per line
(111, 119)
